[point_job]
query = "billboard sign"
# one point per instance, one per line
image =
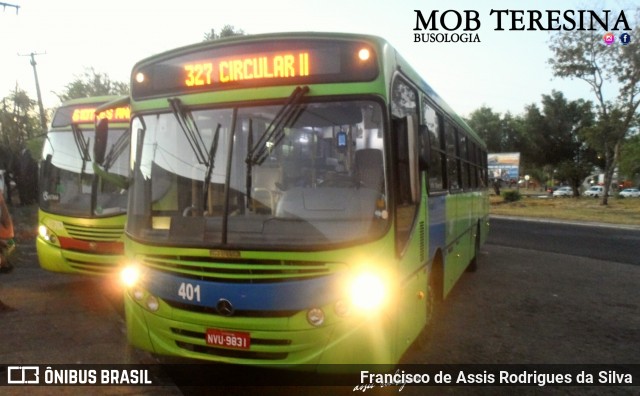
(504, 166)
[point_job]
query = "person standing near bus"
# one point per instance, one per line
(6, 237)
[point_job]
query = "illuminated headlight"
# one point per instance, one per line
(367, 292)
(130, 275)
(46, 234)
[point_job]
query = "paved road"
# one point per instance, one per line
(48, 318)
(576, 239)
(543, 293)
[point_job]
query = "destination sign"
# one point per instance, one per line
(252, 64)
(86, 114)
(247, 68)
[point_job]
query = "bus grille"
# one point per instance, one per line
(239, 270)
(98, 234)
(93, 268)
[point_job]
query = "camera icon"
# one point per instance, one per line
(609, 38)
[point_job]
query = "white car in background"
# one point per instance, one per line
(563, 192)
(595, 191)
(630, 192)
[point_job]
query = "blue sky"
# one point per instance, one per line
(505, 71)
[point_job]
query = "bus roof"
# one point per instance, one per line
(91, 99)
(391, 55)
(82, 111)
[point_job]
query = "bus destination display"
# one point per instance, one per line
(87, 115)
(256, 64)
(247, 68)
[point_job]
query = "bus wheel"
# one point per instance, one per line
(430, 300)
(433, 298)
(473, 264)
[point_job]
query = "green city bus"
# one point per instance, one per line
(295, 199)
(83, 202)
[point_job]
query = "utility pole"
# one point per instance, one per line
(5, 5)
(43, 118)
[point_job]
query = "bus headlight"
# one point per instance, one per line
(46, 234)
(367, 291)
(130, 275)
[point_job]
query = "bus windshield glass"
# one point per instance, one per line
(275, 176)
(68, 183)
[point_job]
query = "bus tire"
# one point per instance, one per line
(433, 299)
(473, 264)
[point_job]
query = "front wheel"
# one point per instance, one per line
(433, 299)
(473, 264)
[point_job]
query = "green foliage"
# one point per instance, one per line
(226, 31)
(580, 54)
(92, 83)
(511, 196)
(19, 124)
(488, 125)
(630, 158)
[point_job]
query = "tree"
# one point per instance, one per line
(92, 83)
(558, 134)
(582, 54)
(19, 128)
(488, 125)
(227, 31)
(630, 160)
(19, 121)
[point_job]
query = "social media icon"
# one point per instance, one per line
(609, 38)
(625, 38)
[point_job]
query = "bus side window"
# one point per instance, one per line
(403, 172)
(453, 165)
(436, 155)
(404, 108)
(463, 155)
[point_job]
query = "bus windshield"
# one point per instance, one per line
(68, 183)
(296, 176)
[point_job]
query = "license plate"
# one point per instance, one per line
(228, 339)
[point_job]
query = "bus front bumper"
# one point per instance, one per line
(55, 259)
(275, 342)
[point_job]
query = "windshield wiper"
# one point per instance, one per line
(82, 144)
(249, 176)
(117, 149)
(274, 133)
(190, 129)
(211, 161)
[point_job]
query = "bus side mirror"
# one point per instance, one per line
(100, 145)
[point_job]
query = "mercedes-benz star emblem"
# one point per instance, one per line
(224, 307)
